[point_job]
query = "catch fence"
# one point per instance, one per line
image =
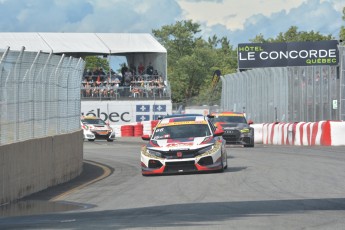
(39, 95)
(287, 94)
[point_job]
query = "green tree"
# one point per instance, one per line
(342, 29)
(192, 60)
(293, 35)
(92, 62)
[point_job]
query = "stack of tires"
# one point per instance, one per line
(127, 130)
(138, 130)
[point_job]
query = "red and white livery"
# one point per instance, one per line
(184, 143)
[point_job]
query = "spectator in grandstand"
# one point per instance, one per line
(155, 74)
(149, 69)
(95, 71)
(98, 81)
(133, 69)
(141, 68)
(135, 90)
(124, 69)
(95, 90)
(117, 82)
(107, 89)
(87, 88)
(101, 72)
(160, 88)
(128, 78)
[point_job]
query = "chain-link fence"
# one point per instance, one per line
(287, 94)
(39, 95)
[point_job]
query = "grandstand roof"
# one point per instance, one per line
(82, 43)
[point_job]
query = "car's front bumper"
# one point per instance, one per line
(234, 136)
(210, 161)
(105, 135)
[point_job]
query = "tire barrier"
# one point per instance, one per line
(135, 129)
(138, 130)
(326, 133)
(127, 130)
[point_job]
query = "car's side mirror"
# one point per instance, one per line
(218, 132)
(146, 137)
(250, 122)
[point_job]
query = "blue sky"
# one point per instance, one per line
(238, 20)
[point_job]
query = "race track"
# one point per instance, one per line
(265, 187)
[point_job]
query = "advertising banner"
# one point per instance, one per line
(256, 55)
(126, 112)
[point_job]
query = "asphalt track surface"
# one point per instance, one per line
(265, 187)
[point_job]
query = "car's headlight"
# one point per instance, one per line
(204, 150)
(246, 130)
(154, 153)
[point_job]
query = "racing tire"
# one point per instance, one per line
(91, 139)
(251, 143)
(222, 169)
(226, 166)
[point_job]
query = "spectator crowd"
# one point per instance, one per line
(141, 82)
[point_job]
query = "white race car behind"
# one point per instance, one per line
(95, 128)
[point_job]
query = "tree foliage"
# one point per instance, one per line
(192, 60)
(342, 29)
(293, 35)
(93, 62)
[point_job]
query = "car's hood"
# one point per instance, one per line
(226, 125)
(180, 143)
(97, 127)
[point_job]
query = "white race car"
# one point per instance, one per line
(185, 143)
(95, 128)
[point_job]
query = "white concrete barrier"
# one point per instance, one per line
(301, 133)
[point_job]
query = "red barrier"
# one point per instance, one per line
(153, 124)
(127, 130)
(326, 134)
(138, 130)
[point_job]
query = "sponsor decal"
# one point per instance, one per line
(182, 123)
(179, 144)
(113, 117)
(254, 55)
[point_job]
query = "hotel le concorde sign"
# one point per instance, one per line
(258, 55)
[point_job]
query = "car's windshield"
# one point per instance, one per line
(181, 131)
(230, 119)
(93, 122)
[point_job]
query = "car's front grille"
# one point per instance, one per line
(205, 161)
(180, 166)
(232, 135)
(180, 154)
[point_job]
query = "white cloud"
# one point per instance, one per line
(238, 20)
(218, 12)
